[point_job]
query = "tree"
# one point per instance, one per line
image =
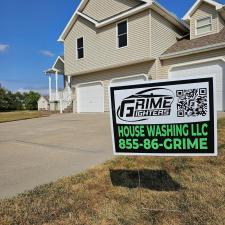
(3, 100)
(19, 101)
(30, 100)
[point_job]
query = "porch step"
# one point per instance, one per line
(68, 109)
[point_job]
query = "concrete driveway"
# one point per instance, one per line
(38, 151)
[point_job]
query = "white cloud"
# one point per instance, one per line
(47, 53)
(3, 48)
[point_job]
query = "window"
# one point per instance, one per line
(204, 25)
(80, 48)
(122, 34)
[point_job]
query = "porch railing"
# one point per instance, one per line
(63, 97)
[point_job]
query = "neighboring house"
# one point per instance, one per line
(43, 103)
(124, 41)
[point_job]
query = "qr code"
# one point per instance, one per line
(192, 102)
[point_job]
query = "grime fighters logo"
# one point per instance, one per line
(145, 104)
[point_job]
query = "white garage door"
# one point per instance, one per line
(129, 80)
(90, 98)
(215, 68)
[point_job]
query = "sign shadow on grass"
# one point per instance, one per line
(157, 180)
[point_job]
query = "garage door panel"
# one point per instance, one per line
(90, 98)
(215, 68)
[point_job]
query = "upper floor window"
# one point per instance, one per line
(122, 34)
(80, 48)
(204, 25)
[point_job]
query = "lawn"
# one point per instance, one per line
(21, 115)
(174, 191)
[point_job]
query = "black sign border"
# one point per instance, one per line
(162, 83)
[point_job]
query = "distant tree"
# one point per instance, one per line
(30, 100)
(11, 101)
(19, 101)
(3, 100)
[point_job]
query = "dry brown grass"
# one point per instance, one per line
(21, 115)
(175, 191)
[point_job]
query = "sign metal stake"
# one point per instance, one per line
(139, 187)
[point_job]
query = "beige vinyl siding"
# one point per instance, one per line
(168, 63)
(86, 29)
(204, 10)
(221, 23)
(107, 75)
(42, 103)
(163, 34)
(100, 46)
(102, 9)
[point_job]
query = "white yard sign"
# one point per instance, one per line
(165, 118)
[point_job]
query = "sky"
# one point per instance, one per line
(29, 30)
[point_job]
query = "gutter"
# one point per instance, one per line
(180, 23)
(193, 51)
(88, 18)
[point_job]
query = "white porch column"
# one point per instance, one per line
(56, 86)
(50, 87)
(69, 81)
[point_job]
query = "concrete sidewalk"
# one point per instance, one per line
(39, 151)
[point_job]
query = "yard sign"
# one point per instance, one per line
(165, 118)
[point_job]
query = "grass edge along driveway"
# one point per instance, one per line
(21, 115)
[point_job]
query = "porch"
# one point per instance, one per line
(59, 100)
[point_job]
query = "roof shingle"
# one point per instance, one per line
(186, 44)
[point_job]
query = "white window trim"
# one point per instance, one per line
(196, 26)
(117, 36)
(77, 49)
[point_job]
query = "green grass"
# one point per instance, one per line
(21, 115)
(174, 191)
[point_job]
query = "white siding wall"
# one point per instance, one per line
(107, 75)
(100, 46)
(221, 23)
(42, 104)
(203, 11)
(163, 34)
(167, 64)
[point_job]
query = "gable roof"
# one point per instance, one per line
(147, 4)
(187, 16)
(44, 97)
(54, 68)
(187, 46)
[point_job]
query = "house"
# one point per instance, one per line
(43, 103)
(126, 41)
